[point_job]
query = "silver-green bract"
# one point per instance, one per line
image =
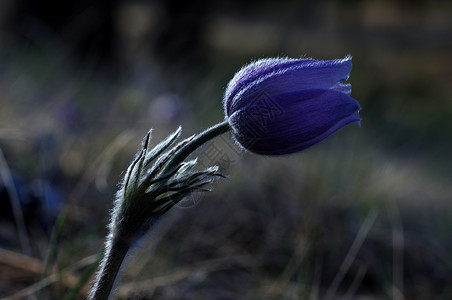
(156, 180)
(153, 184)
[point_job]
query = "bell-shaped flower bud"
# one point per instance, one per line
(279, 106)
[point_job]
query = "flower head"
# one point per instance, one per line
(279, 106)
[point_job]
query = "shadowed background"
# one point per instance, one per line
(366, 213)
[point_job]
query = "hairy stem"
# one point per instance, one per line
(115, 253)
(197, 141)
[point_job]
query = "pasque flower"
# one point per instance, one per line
(273, 106)
(279, 106)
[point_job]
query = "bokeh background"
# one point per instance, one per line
(366, 214)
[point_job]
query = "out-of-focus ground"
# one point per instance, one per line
(366, 214)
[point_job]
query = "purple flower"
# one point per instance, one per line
(279, 106)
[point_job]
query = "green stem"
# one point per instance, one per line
(109, 270)
(196, 142)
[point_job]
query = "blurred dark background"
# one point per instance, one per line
(363, 215)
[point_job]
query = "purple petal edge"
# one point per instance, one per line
(310, 74)
(255, 70)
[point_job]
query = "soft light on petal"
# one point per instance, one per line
(345, 88)
(303, 75)
(258, 69)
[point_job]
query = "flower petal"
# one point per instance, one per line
(256, 70)
(292, 122)
(345, 88)
(307, 76)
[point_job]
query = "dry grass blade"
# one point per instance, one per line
(67, 273)
(350, 257)
(200, 270)
(7, 179)
(356, 283)
(292, 266)
(398, 245)
(20, 261)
